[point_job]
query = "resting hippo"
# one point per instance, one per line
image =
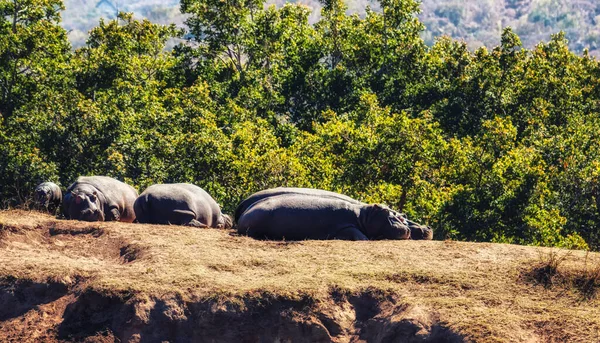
(99, 198)
(48, 196)
(302, 216)
(243, 206)
(179, 204)
(420, 231)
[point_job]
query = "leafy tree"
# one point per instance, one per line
(33, 49)
(495, 145)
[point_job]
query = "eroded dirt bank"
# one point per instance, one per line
(65, 281)
(32, 312)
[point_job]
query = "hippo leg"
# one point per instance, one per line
(351, 234)
(197, 224)
(256, 233)
(188, 218)
(114, 215)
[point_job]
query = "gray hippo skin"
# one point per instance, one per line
(302, 216)
(48, 196)
(179, 204)
(99, 198)
(420, 231)
(243, 206)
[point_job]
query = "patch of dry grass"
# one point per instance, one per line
(552, 272)
(477, 289)
(588, 281)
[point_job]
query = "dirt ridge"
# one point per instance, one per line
(67, 281)
(84, 314)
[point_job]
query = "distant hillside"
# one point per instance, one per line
(478, 22)
(82, 15)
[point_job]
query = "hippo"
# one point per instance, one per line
(99, 198)
(180, 204)
(420, 231)
(48, 196)
(244, 204)
(302, 216)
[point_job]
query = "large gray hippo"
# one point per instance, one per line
(179, 204)
(48, 196)
(99, 198)
(418, 231)
(244, 204)
(302, 216)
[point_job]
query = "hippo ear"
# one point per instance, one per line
(383, 207)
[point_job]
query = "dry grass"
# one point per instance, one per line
(476, 289)
(588, 281)
(552, 273)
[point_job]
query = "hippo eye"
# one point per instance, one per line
(92, 197)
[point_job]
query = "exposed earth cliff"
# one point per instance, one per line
(103, 282)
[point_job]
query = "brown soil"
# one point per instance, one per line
(66, 281)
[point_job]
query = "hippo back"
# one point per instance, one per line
(246, 203)
(179, 203)
(298, 217)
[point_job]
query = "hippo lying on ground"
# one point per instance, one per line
(179, 204)
(99, 198)
(48, 196)
(249, 201)
(302, 216)
(418, 231)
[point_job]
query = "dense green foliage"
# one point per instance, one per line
(496, 145)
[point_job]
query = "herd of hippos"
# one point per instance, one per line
(276, 213)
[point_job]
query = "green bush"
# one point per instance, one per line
(495, 145)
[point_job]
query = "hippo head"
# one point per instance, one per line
(42, 196)
(383, 223)
(421, 232)
(85, 204)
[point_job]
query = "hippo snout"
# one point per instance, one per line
(402, 232)
(421, 232)
(91, 215)
(397, 232)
